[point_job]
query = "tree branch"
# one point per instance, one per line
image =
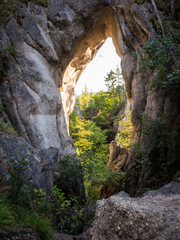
(158, 16)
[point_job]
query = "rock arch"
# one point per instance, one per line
(61, 40)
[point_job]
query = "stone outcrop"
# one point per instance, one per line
(156, 215)
(118, 156)
(118, 160)
(53, 45)
(39, 165)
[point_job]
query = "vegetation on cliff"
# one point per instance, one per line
(156, 154)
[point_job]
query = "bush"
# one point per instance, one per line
(15, 204)
(17, 193)
(162, 55)
(156, 155)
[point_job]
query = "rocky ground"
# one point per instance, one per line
(155, 215)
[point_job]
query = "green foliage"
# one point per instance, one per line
(17, 193)
(15, 204)
(33, 208)
(102, 107)
(113, 80)
(53, 205)
(41, 225)
(84, 99)
(4, 127)
(91, 131)
(92, 150)
(74, 219)
(152, 165)
(125, 138)
(70, 171)
(12, 215)
(162, 54)
(6, 217)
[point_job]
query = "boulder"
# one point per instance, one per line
(155, 215)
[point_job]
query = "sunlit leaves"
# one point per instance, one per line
(125, 137)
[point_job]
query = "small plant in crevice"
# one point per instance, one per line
(4, 58)
(4, 127)
(17, 181)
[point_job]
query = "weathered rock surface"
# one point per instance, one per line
(19, 234)
(156, 215)
(39, 173)
(53, 46)
(118, 160)
(118, 156)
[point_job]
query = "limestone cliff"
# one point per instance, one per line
(53, 44)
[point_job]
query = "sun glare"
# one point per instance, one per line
(93, 76)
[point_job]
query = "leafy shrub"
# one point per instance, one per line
(17, 193)
(162, 55)
(156, 155)
(70, 176)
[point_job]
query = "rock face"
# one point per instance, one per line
(118, 160)
(41, 165)
(53, 45)
(156, 215)
(24, 233)
(118, 156)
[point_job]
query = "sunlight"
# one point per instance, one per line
(93, 76)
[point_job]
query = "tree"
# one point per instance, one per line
(113, 80)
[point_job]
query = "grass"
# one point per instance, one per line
(6, 218)
(4, 127)
(42, 226)
(18, 216)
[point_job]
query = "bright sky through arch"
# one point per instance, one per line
(93, 76)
